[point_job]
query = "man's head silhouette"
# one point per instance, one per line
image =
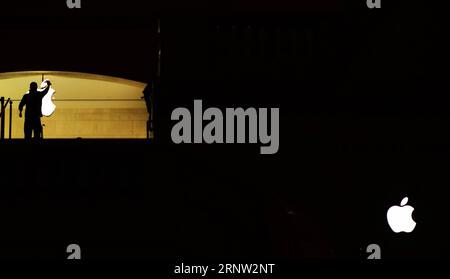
(33, 87)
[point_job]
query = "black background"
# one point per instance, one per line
(362, 96)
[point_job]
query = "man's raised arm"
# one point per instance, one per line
(45, 91)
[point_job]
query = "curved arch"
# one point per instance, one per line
(89, 76)
(73, 85)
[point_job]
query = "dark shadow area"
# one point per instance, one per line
(363, 122)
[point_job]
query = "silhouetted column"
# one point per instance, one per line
(2, 118)
(10, 118)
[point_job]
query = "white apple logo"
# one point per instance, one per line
(400, 217)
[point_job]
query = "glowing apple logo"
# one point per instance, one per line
(48, 107)
(400, 217)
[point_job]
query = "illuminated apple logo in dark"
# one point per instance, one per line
(400, 217)
(48, 107)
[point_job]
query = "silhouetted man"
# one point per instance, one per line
(33, 112)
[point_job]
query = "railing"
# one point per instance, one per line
(3, 106)
(5, 102)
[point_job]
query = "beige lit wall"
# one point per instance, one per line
(87, 106)
(87, 123)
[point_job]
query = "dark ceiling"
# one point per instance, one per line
(104, 38)
(152, 7)
(124, 47)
